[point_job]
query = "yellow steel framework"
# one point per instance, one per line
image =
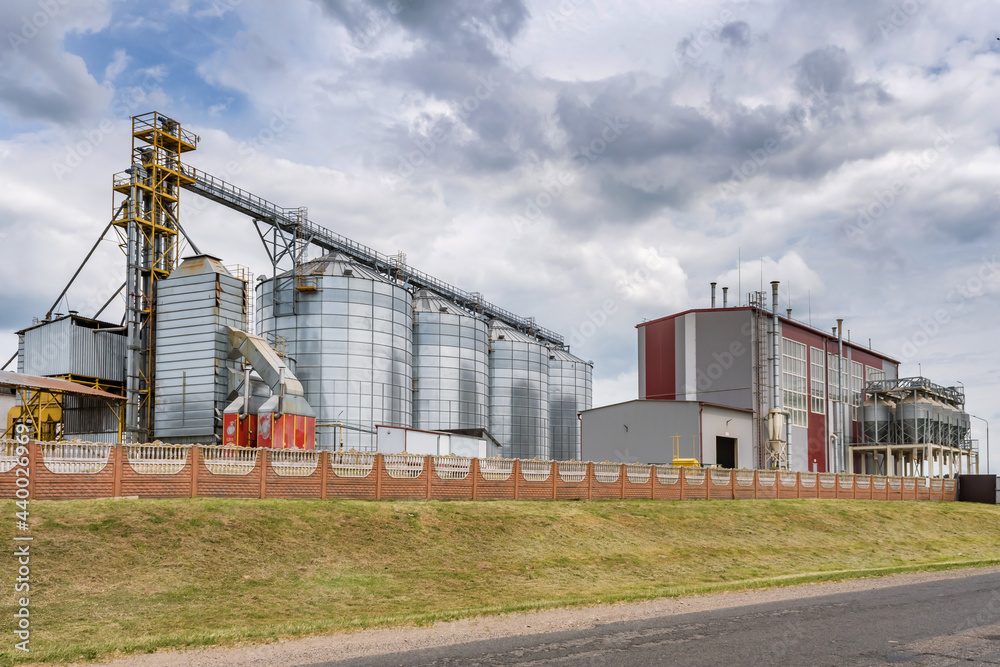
(147, 223)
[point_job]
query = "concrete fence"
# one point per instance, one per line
(64, 471)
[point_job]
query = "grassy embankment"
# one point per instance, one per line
(135, 576)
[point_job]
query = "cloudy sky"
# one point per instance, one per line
(591, 163)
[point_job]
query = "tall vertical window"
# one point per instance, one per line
(857, 389)
(793, 380)
(833, 373)
(817, 376)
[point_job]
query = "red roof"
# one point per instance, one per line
(8, 379)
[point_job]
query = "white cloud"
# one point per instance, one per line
(116, 66)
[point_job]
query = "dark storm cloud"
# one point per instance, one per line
(457, 32)
(736, 34)
(653, 125)
(827, 77)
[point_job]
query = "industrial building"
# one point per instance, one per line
(817, 401)
(321, 353)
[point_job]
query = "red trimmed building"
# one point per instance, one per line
(726, 356)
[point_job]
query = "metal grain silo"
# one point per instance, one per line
(570, 392)
(877, 419)
(450, 366)
(194, 307)
(348, 335)
(519, 392)
(916, 419)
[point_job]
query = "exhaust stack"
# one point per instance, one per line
(725, 297)
(777, 418)
(713, 295)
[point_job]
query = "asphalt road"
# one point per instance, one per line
(946, 622)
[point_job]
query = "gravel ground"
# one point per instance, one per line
(379, 642)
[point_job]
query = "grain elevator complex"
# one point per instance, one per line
(319, 354)
(350, 349)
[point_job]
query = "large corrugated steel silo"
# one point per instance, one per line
(348, 335)
(519, 392)
(450, 366)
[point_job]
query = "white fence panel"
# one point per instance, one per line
(572, 472)
(694, 476)
(721, 477)
(230, 460)
(496, 470)
(294, 462)
(74, 458)
(352, 464)
(157, 459)
(452, 467)
(536, 471)
(607, 473)
(638, 473)
(668, 474)
(404, 466)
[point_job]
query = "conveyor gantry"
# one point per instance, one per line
(296, 226)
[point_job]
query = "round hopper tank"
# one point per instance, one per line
(451, 365)
(877, 421)
(915, 419)
(519, 393)
(348, 330)
(570, 392)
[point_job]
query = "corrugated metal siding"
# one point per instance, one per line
(570, 392)
(352, 345)
(192, 350)
(64, 347)
(519, 393)
(87, 418)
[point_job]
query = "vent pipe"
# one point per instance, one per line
(841, 430)
(779, 433)
(775, 347)
(713, 295)
(789, 312)
(725, 297)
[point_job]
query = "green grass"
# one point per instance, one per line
(136, 576)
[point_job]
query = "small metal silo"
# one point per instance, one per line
(194, 307)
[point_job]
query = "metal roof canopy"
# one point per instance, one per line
(902, 388)
(52, 385)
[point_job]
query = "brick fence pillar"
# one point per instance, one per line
(263, 462)
(195, 459)
(118, 451)
(324, 467)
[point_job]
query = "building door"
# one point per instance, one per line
(725, 452)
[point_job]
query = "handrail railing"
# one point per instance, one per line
(287, 220)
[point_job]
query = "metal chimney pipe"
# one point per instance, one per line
(841, 430)
(789, 312)
(713, 295)
(725, 297)
(775, 347)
